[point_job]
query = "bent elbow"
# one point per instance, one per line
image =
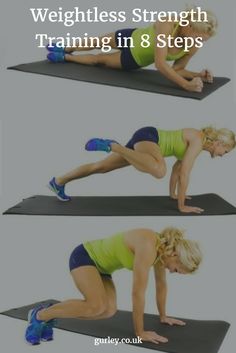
(161, 68)
(176, 69)
(160, 65)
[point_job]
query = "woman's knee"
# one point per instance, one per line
(109, 60)
(98, 307)
(111, 311)
(101, 59)
(159, 171)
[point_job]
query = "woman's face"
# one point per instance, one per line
(173, 264)
(218, 149)
(203, 35)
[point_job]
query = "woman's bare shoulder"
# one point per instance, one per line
(142, 236)
(191, 134)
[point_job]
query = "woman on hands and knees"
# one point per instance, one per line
(92, 264)
(146, 152)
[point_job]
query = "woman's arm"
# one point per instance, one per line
(195, 85)
(145, 253)
(161, 289)
(180, 65)
(161, 296)
(174, 179)
(195, 147)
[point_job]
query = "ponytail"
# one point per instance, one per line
(189, 253)
(226, 136)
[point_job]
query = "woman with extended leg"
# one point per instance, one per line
(91, 266)
(146, 152)
(136, 56)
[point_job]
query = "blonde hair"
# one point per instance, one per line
(189, 253)
(208, 27)
(227, 137)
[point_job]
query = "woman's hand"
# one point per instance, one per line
(206, 76)
(195, 85)
(170, 321)
(152, 336)
(190, 209)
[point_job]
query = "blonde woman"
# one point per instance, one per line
(93, 262)
(146, 151)
(136, 56)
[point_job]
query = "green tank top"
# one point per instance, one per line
(172, 143)
(146, 56)
(110, 254)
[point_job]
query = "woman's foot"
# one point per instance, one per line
(59, 190)
(56, 57)
(47, 330)
(97, 144)
(55, 49)
(34, 328)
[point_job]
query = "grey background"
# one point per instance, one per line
(45, 123)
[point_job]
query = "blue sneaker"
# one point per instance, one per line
(47, 330)
(34, 328)
(59, 190)
(97, 144)
(54, 48)
(56, 57)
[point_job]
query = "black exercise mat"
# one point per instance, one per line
(143, 79)
(119, 206)
(196, 337)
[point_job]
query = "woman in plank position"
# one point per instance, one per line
(93, 262)
(146, 152)
(136, 55)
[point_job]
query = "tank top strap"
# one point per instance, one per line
(175, 29)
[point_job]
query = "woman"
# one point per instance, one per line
(135, 57)
(91, 266)
(146, 151)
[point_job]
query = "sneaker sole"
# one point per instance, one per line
(31, 344)
(44, 340)
(29, 316)
(59, 198)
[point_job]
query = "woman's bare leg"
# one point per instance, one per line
(99, 298)
(93, 44)
(146, 157)
(104, 166)
(111, 299)
(109, 60)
